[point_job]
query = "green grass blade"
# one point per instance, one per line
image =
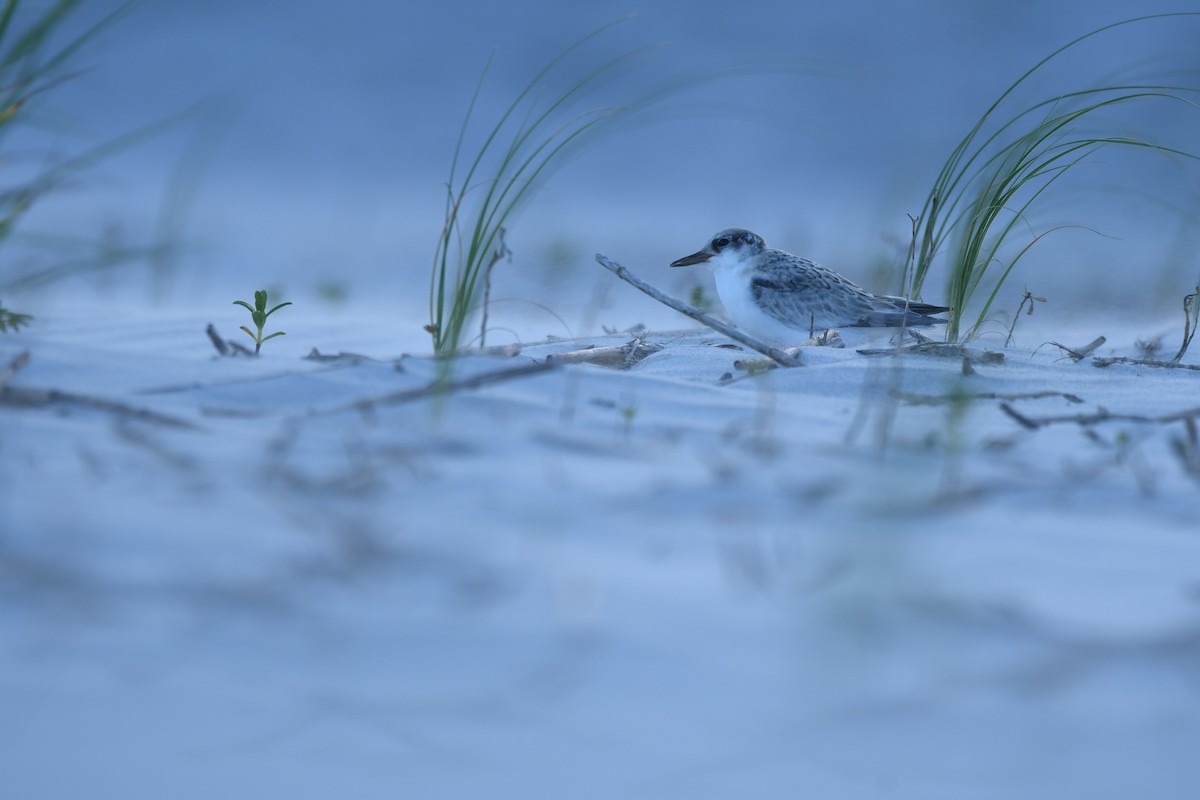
(71, 48)
(6, 16)
(947, 188)
(1009, 164)
(33, 37)
(525, 156)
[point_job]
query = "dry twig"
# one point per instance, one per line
(500, 252)
(217, 341)
(618, 356)
(1029, 298)
(19, 361)
(226, 347)
(941, 349)
(1080, 353)
(440, 388)
(938, 400)
(510, 350)
(1191, 310)
(337, 358)
(23, 397)
(1141, 362)
(1101, 415)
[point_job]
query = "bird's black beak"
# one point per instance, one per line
(694, 258)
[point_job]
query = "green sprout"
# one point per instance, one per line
(11, 320)
(629, 414)
(700, 301)
(259, 314)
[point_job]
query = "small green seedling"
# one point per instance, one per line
(259, 314)
(11, 320)
(699, 300)
(628, 414)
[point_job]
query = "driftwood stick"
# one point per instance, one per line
(443, 387)
(26, 397)
(941, 400)
(20, 360)
(1103, 415)
(217, 341)
(620, 356)
(940, 349)
(226, 347)
(1141, 362)
(774, 353)
(1077, 353)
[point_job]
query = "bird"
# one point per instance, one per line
(783, 299)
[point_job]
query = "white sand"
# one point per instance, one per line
(589, 582)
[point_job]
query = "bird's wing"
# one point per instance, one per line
(804, 295)
(807, 296)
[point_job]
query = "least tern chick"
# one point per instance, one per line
(783, 299)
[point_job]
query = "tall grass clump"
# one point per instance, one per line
(485, 191)
(1003, 165)
(31, 64)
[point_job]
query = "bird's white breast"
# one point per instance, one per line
(734, 289)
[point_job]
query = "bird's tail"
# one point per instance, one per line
(895, 312)
(902, 304)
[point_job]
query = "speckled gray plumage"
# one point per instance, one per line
(795, 290)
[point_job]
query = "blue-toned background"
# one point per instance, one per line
(318, 140)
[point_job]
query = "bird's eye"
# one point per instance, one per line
(719, 243)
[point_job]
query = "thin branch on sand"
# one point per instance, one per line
(441, 388)
(774, 353)
(618, 356)
(1077, 353)
(19, 360)
(217, 341)
(1029, 298)
(337, 358)
(940, 400)
(500, 252)
(510, 350)
(939, 349)
(1102, 415)
(226, 347)
(1142, 362)
(1191, 309)
(27, 397)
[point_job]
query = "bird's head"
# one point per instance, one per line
(728, 248)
